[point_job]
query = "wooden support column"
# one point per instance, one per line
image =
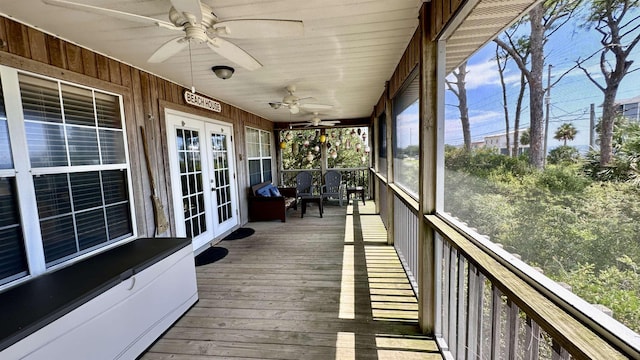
(374, 139)
(389, 119)
(427, 173)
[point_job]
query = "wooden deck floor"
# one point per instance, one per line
(312, 288)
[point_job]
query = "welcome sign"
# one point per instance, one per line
(201, 101)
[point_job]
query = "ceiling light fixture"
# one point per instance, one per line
(223, 72)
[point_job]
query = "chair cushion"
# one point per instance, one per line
(264, 191)
(274, 191)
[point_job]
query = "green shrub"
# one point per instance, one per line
(564, 155)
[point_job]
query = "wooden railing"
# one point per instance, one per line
(350, 177)
(405, 220)
(488, 310)
(491, 305)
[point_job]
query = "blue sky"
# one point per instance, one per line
(570, 98)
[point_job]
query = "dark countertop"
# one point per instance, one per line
(32, 305)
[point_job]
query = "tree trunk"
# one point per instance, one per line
(516, 120)
(462, 105)
(606, 125)
(505, 106)
(536, 90)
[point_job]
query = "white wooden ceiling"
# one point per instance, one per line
(349, 49)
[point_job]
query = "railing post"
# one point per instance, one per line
(428, 104)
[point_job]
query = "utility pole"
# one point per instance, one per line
(592, 127)
(547, 100)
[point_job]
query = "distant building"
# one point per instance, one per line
(629, 108)
(499, 141)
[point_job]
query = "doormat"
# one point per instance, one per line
(211, 255)
(240, 233)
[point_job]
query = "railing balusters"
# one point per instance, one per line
(474, 312)
(511, 335)
(496, 312)
(462, 296)
(453, 293)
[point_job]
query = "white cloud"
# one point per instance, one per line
(486, 73)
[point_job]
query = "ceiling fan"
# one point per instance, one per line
(294, 103)
(316, 121)
(200, 25)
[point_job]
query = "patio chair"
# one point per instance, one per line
(304, 184)
(332, 187)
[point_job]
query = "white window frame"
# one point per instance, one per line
(261, 157)
(24, 174)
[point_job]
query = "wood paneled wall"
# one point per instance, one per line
(145, 97)
(441, 12)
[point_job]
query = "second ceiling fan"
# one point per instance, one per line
(295, 103)
(199, 24)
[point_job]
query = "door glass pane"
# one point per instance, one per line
(221, 174)
(188, 147)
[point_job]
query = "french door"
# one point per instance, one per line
(202, 176)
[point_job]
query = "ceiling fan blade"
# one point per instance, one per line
(259, 29)
(234, 53)
(191, 7)
(316, 106)
(169, 49)
(112, 13)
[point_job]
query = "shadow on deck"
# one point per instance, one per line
(312, 288)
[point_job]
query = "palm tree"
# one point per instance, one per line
(566, 132)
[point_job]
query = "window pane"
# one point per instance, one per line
(119, 221)
(108, 111)
(6, 160)
(46, 145)
(40, 99)
(112, 147)
(407, 131)
(83, 146)
(382, 144)
(78, 105)
(85, 190)
(12, 254)
(255, 176)
(58, 238)
(114, 183)
(265, 140)
(266, 169)
(91, 228)
(52, 195)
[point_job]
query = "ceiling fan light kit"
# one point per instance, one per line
(223, 72)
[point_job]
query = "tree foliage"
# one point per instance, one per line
(579, 230)
(565, 133)
(618, 27)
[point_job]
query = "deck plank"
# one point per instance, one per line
(311, 288)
